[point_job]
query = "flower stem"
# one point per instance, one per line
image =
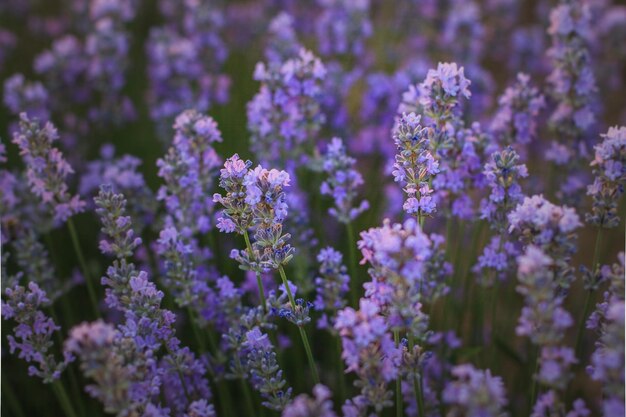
(581, 324)
(83, 265)
(396, 339)
(305, 340)
(340, 374)
(61, 394)
(417, 384)
(259, 282)
(354, 279)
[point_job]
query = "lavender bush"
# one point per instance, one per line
(312, 208)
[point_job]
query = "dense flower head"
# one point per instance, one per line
(342, 182)
(607, 362)
(499, 256)
(414, 167)
(23, 96)
(543, 318)
(552, 228)
(303, 405)
(283, 42)
(47, 169)
(572, 80)
(284, 117)
(402, 257)
(474, 392)
(343, 27)
(331, 286)
(188, 170)
(34, 331)
(369, 351)
(237, 213)
(516, 120)
(265, 373)
(441, 90)
(609, 167)
(502, 174)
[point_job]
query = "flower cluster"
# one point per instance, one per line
(47, 168)
(516, 122)
(332, 285)
(414, 166)
(342, 182)
(305, 406)
(265, 373)
(610, 176)
(440, 92)
(399, 256)
(34, 331)
(474, 392)
(187, 170)
(502, 174)
(369, 352)
(284, 117)
(551, 228)
(343, 27)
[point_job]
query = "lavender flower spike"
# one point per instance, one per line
(34, 331)
(305, 406)
(474, 392)
(610, 178)
(47, 170)
(332, 285)
(414, 167)
(342, 182)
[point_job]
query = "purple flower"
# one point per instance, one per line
(47, 170)
(342, 182)
(304, 406)
(343, 27)
(610, 176)
(474, 392)
(34, 331)
(331, 286)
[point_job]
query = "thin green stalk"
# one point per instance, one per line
(9, 395)
(83, 265)
(340, 372)
(259, 282)
(534, 389)
(594, 265)
(305, 340)
(64, 400)
(248, 398)
(396, 338)
(196, 331)
(354, 279)
(417, 384)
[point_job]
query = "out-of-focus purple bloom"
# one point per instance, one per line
(499, 255)
(304, 406)
(441, 90)
(607, 362)
(331, 286)
(34, 331)
(369, 351)
(516, 119)
(282, 43)
(284, 117)
(610, 176)
(402, 260)
(343, 27)
(342, 182)
(47, 169)
(474, 392)
(21, 96)
(552, 228)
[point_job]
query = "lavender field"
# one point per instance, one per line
(312, 208)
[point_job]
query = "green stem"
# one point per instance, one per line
(340, 373)
(581, 324)
(61, 394)
(396, 338)
(354, 279)
(534, 389)
(259, 282)
(248, 398)
(83, 265)
(196, 332)
(9, 395)
(305, 340)
(417, 384)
